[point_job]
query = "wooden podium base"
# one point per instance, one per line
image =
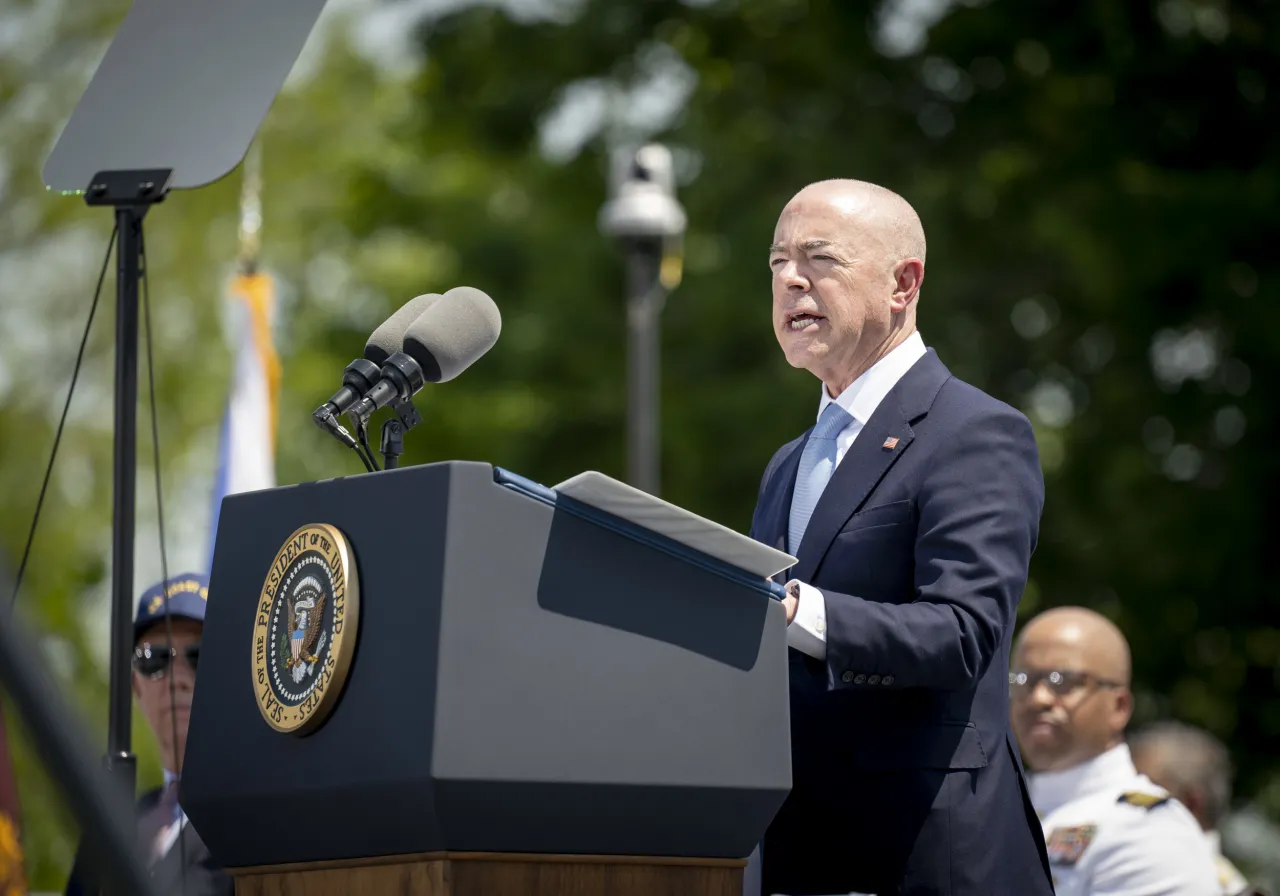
(497, 874)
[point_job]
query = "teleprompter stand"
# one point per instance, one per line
(131, 194)
(166, 109)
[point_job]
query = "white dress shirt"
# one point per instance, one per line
(808, 630)
(1110, 830)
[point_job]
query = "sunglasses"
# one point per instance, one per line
(152, 660)
(1061, 682)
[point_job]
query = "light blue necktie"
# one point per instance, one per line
(817, 463)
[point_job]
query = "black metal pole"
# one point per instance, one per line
(645, 298)
(119, 758)
(104, 811)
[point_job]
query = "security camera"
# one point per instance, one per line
(643, 204)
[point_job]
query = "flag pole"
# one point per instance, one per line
(251, 210)
(246, 452)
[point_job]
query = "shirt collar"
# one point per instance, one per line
(171, 779)
(1052, 790)
(864, 394)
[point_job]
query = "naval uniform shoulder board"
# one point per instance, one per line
(1142, 800)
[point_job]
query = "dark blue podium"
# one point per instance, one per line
(532, 684)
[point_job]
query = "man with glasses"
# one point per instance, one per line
(1108, 829)
(166, 653)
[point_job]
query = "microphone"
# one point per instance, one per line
(447, 338)
(362, 373)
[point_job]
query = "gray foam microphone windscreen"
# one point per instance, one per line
(453, 333)
(387, 339)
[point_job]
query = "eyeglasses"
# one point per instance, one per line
(1061, 682)
(152, 660)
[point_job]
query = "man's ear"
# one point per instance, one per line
(908, 277)
(1193, 799)
(133, 681)
(1122, 709)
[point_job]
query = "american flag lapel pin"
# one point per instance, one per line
(890, 443)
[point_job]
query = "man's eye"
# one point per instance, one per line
(823, 258)
(773, 263)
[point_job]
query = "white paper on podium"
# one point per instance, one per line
(680, 525)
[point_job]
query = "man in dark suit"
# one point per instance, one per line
(164, 676)
(913, 506)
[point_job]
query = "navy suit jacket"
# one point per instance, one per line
(906, 779)
(201, 875)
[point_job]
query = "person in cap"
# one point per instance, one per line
(1195, 767)
(165, 656)
(1108, 828)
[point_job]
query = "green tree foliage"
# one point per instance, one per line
(1096, 180)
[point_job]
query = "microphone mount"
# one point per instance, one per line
(365, 389)
(402, 377)
(325, 419)
(358, 378)
(393, 430)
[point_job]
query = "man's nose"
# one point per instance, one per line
(183, 675)
(1041, 695)
(793, 277)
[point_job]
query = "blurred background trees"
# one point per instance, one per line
(1098, 182)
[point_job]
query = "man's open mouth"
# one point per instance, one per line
(799, 320)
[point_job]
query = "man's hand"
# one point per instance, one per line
(790, 603)
(792, 600)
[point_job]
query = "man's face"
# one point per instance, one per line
(1063, 713)
(833, 283)
(167, 709)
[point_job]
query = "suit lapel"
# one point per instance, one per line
(884, 439)
(865, 465)
(775, 522)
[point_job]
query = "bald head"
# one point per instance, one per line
(1096, 639)
(848, 262)
(879, 212)
(1191, 764)
(1069, 692)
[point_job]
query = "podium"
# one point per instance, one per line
(442, 680)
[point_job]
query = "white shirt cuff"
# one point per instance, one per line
(808, 630)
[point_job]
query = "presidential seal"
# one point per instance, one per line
(305, 629)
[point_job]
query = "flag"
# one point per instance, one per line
(12, 867)
(247, 448)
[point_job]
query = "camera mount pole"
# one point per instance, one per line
(644, 216)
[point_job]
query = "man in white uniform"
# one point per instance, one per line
(1195, 767)
(1108, 829)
